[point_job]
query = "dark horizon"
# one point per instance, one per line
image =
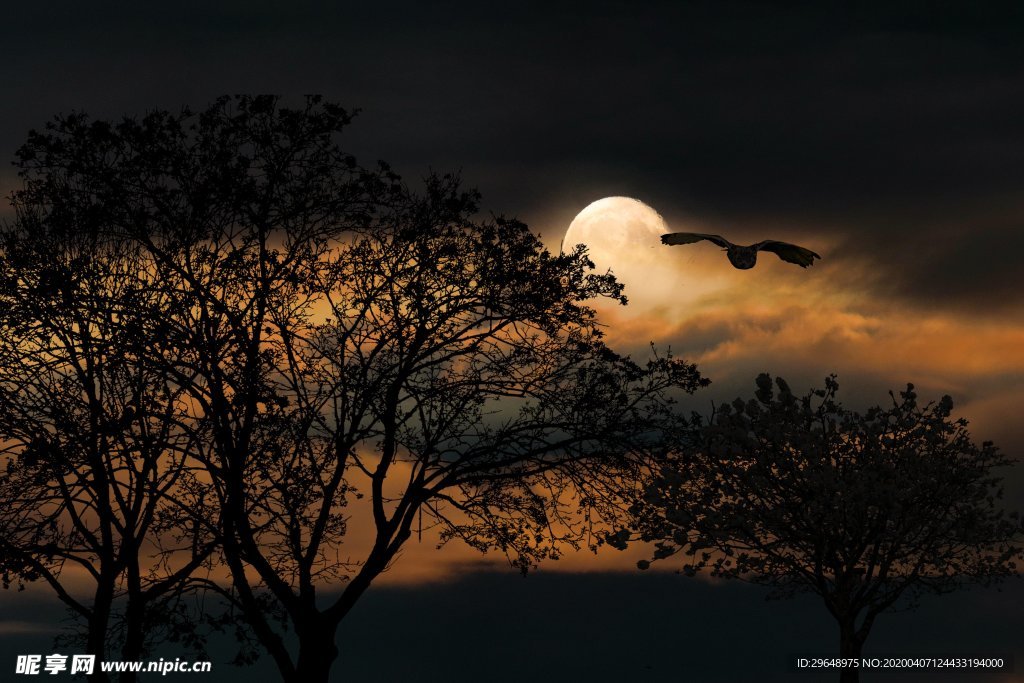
(618, 626)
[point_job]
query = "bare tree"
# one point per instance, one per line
(801, 494)
(354, 352)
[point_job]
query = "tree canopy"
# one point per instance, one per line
(339, 349)
(863, 509)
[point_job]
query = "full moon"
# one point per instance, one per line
(623, 235)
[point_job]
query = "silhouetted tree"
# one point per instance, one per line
(90, 444)
(801, 494)
(354, 352)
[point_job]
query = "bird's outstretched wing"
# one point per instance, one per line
(790, 253)
(691, 237)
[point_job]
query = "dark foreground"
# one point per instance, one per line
(498, 627)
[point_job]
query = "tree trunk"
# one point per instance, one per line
(849, 648)
(317, 650)
(134, 637)
(134, 617)
(99, 621)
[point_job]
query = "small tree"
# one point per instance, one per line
(864, 510)
(346, 344)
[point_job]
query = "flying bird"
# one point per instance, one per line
(745, 257)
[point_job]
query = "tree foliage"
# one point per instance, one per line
(346, 350)
(863, 509)
(92, 445)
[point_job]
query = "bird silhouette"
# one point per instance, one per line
(744, 257)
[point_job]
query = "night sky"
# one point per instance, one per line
(888, 139)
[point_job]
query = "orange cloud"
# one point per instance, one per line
(806, 324)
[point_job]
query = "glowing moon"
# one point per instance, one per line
(623, 235)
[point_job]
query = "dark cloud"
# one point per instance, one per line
(794, 114)
(976, 269)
